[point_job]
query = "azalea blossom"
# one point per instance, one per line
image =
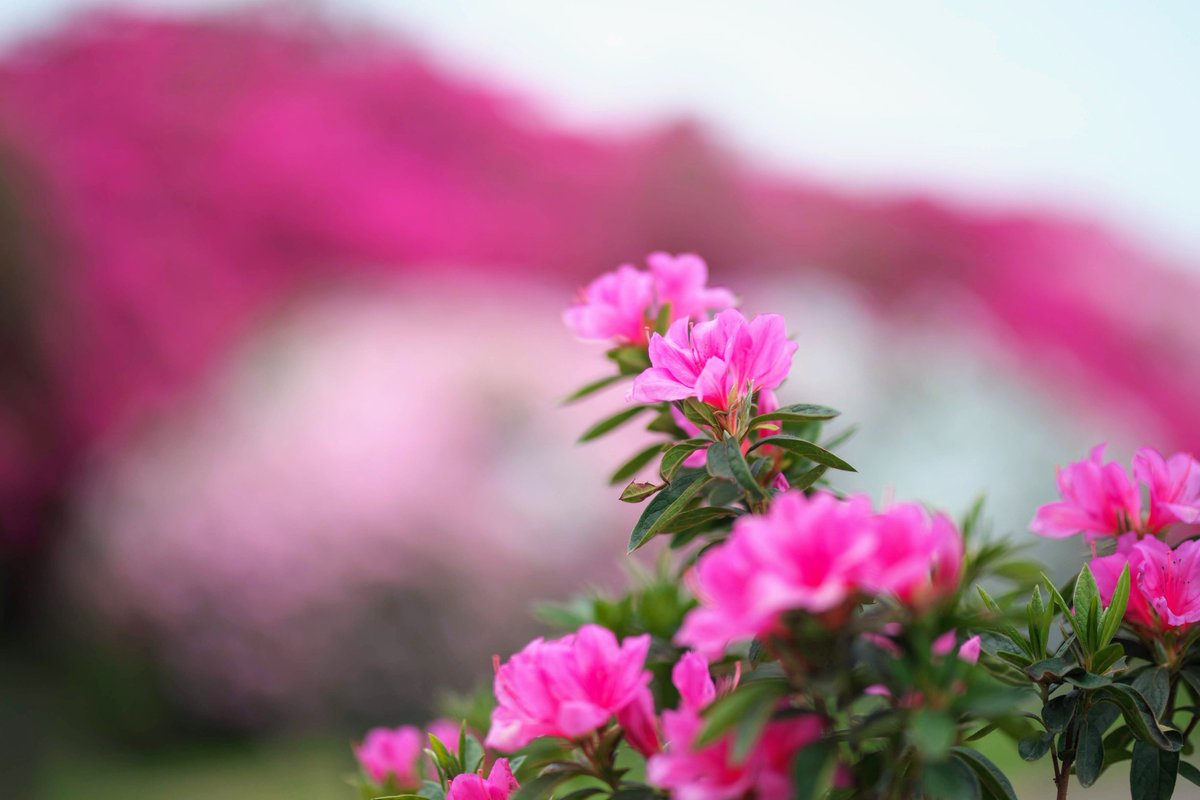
(568, 687)
(499, 785)
(1101, 499)
(1164, 587)
(720, 361)
(918, 557)
(805, 553)
(712, 772)
(395, 753)
(620, 306)
(1174, 487)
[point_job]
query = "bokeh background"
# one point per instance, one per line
(280, 350)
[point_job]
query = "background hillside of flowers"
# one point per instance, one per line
(259, 265)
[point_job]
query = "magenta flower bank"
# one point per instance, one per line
(798, 642)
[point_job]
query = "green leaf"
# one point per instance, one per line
(1035, 747)
(1089, 753)
(591, 388)
(677, 453)
(1137, 714)
(698, 413)
(729, 710)
(1189, 772)
(1085, 600)
(1086, 680)
(810, 768)
(725, 461)
(1105, 657)
(541, 786)
(806, 449)
(630, 359)
(635, 464)
(1155, 685)
(609, 424)
(800, 412)
(991, 779)
(666, 505)
(696, 517)
(1051, 669)
(638, 491)
(1058, 711)
(808, 477)
(447, 761)
(1152, 772)
(949, 780)
(472, 751)
(1116, 609)
(932, 733)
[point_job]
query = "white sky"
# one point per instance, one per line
(1093, 107)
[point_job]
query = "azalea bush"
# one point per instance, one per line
(795, 641)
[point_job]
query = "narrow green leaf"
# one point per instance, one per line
(729, 710)
(810, 769)
(1116, 609)
(1106, 656)
(591, 388)
(1085, 601)
(610, 424)
(808, 477)
(542, 786)
(665, 506)
(800, 412)
(993, 781)
(635, 464)
(449, 762)
(698, 516)
(677, 453)
(725, 461)
(806, 449)
(1189, 772)
(699, 414)
(638, 491)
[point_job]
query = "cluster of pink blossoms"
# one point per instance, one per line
(621, 306)
(571, 687)
(712, 772)
(1101, 500)
(818, 554)
(498, 785)
(719, 361)
(574, 686)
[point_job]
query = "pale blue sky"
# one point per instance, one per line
(1090, 107)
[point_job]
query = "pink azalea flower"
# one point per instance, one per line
(386, 752)
(1164, 592)
(805, 553)
(711, 772)
(720, 361)
(1174, 485)
(681, 282)
(567, 687)
(499, 785)
(918, 557)
(615, 306)
(619, 306)
(1098, 499)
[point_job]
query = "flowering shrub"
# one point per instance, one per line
(798, 642)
